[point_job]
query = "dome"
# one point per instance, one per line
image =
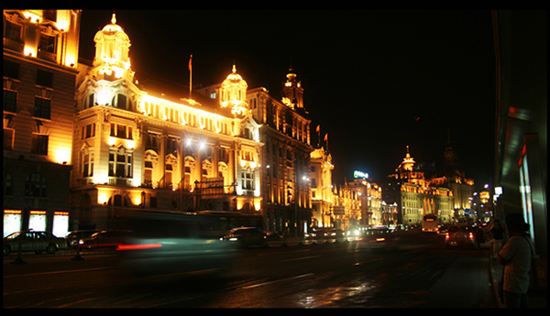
(234, 78)
(233, 93)
(112, 50)
(113, 27)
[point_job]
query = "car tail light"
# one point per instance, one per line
(380, 239)
(471, 236)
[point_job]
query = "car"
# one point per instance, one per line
(36, 241)
(246, 236)
(459, 236)
(73, 237)
(442, 230)
(378, 238)
(105, 239)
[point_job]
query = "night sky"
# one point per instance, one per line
(375, 81)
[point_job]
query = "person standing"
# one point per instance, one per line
(516, 256)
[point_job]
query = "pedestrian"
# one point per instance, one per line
(498, 236)
(516, 256)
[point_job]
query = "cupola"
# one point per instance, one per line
(112, 48)
(233, 94)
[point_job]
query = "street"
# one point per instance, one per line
(422, 273)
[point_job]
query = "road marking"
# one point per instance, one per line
(281, 280)
(301, 258)
(55, 272)
(368, 261)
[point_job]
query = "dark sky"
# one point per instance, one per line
(375, 81)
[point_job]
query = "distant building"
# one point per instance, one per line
(39, 69)
(416, 196)
(373, 211)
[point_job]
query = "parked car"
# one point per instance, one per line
(246, 236)
(73, 237)
(460, 236)
(30, 240)
(378, 238)
(105, 239)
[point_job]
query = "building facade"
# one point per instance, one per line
(40, 68)
(416, 196)
(321, 187)
(140, 142)
(285, 170)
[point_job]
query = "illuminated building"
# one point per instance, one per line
(455, 180)
(346, 207)
(321, 187)
(416, 196)
(285, 168)
(370, 196)
(40, 60)
(140, 142)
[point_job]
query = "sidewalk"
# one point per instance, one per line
(538, 297)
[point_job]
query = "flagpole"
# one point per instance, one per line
(319, 135)
(190, 76)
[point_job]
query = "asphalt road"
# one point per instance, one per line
(422, 273)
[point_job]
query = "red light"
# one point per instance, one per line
(134, 247)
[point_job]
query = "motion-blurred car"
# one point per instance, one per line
(246, 236)
(36, 241)
(378, 238)
(105, 239)
(320, 233)
(459, 236)
(73, 237)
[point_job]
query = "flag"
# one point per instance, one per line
(318, 126)
(190, 62)
(326, 137)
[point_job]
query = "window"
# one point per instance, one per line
(35, 185)
(121, 131)
(10, 101)
(121, 101)
(8, 139)
(148, 178)
(11, 69)
(41, 108)
(88, 131)
(8, 187)
(39, 144)
(44, 78)
(120, 163)
(50, 15)
(47, 44)
(87, 164)
(12, 31)
(248, 180)
(90, 101)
